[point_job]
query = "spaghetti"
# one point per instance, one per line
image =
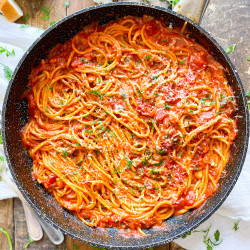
(130, 123)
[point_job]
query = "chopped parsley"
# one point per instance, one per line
(26, 17)
(182, 62)
(7, 72)
(159, 163)
(8, 236)
(147, 57)
(167, 106)
(236, 226)
(129, 164)
(30, 241)
(65, 152)
(124, 95)
(231, 49)
(7, 52)
(46, 13)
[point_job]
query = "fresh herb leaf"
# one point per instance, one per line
(75, 247)
(7, 52)
(160, 163)
(124, 95)
(30, 241)
(66, 4)
(167, 106)
(24, 26)
(1, 158)
(46, 13)
(248, 58)
(182, 62)
(27, 17)
(248, 93)
(7, 72)
(185, 236)
(236, 226)
(99, 248)
(52, 23)
(1, 139)
(8, 236)
(231, 49)
(65, 152)
(217, 235)
(129, 164)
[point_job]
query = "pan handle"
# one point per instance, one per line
(193, 9)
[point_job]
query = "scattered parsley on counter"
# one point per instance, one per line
(7, 72)
(1, 139)
(7, 52)
(51, 23)
(46, 13)
(8, 236)
(75, 247)
(248, 58)
(206, 239)
(99, 248)
(231, 49)
(30, 241)
(236, 226)
(185, 235)
(26, 17)
(24, 26)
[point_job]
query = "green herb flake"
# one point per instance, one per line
(52, 23)
(30, 241)
(185, 235)
(65, 152)
(231, 49)
(124, 95)
(46, 13)
(167, 106)
(23, 26)
(26, 17)
(182, 62)
(8, 236)
(7, 72)
(236, 225)
(66, 4)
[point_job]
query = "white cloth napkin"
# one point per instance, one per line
(235, 208)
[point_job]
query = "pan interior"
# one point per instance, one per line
(15, 117)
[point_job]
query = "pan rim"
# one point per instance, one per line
(208, 212)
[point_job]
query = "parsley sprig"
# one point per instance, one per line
(30, 241)
(7, 71)
(236, 225)
(8, 236)
(231, 48)
(46, 13)
(210, 243)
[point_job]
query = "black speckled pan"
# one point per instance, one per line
(15, 117)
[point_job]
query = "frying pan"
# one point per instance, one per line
(15, 116)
